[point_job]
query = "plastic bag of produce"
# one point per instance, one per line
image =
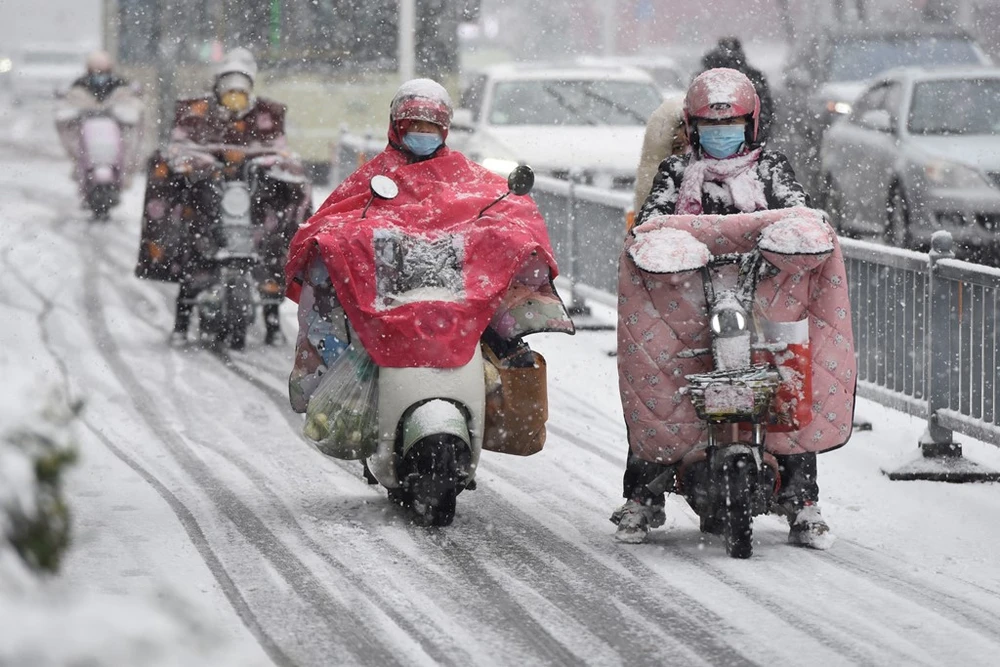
(342, 416)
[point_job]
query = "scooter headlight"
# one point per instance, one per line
(236, 202)
(728, 322)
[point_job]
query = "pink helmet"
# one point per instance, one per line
(99, 61)
(722, 93)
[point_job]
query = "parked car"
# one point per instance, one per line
(919, 152)
(824, 74)
(581, 122)
(39, 70)
(668, 75)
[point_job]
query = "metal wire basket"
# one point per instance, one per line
(742, 395)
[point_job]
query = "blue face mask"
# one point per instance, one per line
(721, 141)
(422, 143)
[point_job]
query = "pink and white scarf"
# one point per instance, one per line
(738, 174)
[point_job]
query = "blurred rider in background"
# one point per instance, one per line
(100, 89)
(186, 176)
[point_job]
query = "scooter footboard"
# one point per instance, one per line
(410, 408)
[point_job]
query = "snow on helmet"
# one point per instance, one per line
(99, 61)
(719, 94)
(237, 61)
(422, 99)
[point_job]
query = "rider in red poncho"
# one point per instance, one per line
(496, 280)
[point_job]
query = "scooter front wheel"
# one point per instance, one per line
(430, 487)
(737, 520)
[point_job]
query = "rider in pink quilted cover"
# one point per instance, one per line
(727, 171)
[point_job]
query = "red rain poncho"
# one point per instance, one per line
(438, 198)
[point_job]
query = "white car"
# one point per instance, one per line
(584, 123)
(39, 70)
(667, 73)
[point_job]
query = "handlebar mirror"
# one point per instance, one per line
(521, 180)
(383, 187)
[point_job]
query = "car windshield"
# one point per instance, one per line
(667, 78)
(582, 102)
(961, 106)
(861, 59)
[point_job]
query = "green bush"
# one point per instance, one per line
(34, 517)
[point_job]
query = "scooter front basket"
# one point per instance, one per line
(741, 395)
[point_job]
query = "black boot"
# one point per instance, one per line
(182, 319)
(798, 483)
(272, 324)
(238, 340)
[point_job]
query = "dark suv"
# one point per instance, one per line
(826, 71)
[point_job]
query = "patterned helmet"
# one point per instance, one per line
(722, 93)
(422, 99)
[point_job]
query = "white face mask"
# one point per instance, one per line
(422, 143)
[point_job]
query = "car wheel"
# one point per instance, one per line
(897, 229)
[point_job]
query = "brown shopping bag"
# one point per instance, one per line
(517, 406)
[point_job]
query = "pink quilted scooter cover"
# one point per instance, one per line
(662, 313)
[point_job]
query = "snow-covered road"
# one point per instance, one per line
(195, 486)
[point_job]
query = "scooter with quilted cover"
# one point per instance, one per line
(734, 344)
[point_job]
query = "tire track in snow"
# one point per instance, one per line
(185, 517)
(962, 612)
(795, 616)
(335, 616)
(936, 600)
(480, 580)
(209, 433)
(679, 619)
(607, 630)
(201, 543)
(535, 634)
(901, 587)
(463, 555)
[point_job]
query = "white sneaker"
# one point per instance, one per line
(635, 519)
(808, 529)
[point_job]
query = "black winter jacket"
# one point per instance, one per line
(100, 87)
(780, 187)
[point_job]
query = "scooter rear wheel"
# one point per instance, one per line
(737, 520)
(100, 200)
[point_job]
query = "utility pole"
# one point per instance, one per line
(109, 25)
(166, 61)
(610, 27)
(407, 21)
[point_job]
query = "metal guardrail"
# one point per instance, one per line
(926, 333)
(925, 325)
